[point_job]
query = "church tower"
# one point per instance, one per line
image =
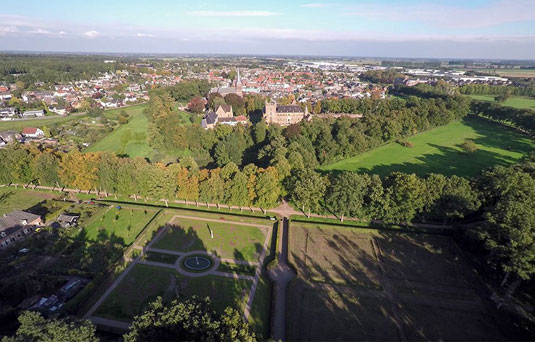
(238, 84)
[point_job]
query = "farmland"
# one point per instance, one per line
(439, 151)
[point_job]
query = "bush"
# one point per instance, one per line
(406, 143)
(469, 146)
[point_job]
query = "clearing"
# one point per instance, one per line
(355, 284)
(438, 151)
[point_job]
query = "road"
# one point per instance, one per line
(281, 275)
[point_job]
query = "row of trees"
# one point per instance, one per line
(486, 89)
(523, 119)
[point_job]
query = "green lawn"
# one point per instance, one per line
(129, 139)
(520, 102)
(19, 199)
(438, 151)
(144, 283)
(230, 240)
(123, 223)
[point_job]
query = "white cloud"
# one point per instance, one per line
(61, 33)
(494, 14)
(39, 31)
(143, 35)
(232, 13)
(316, 5)
(5, 30)
(91, 34)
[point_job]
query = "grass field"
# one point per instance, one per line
(129, 139)
(230, 240)
(520, 102)
(19, 199)
(144, 283)
(124, 224)
(354, 285)
(438, 151)
(20, 124)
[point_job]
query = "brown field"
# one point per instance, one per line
(366, 285)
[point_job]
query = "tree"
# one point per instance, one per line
(345, 194)
(267, 188)
(404, 196)
(45, 167)
(469, 146)
(95, 112)
(235, 100)
(307, 189)
(34, 327)
(196, 105)
(188, 320)
(510, 234)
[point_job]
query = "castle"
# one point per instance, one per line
(284, 115)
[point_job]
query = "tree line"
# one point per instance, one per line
(527, 89)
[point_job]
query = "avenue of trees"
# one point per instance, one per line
(527, 89)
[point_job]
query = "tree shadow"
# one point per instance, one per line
(361, 286)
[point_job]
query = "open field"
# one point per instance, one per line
(438, 151)
(19, 199)
(528, 73)
(144, 283)
(520, 102)
(355, 285)
(124, 223)
(18, 125)
(230, 240)
(129, 139)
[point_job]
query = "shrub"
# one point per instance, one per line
(469, 146)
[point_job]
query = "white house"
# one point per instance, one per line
(32, 132)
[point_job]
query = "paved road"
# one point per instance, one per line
(281, 275)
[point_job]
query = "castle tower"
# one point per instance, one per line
(270, 112)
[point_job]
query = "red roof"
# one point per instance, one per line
(29, 130)
(240, 118)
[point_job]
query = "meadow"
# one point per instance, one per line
(124, 223)
(130, 139)
(21, 199)
(520, 102)
(438, 151)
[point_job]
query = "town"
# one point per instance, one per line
(267, 171)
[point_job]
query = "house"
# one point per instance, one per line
(9, 111)
(32, 132)
(16, 225)
(213, 118)
(9, 137)
(39, 112)
(210, 120)
(284, 115)
(224, 111)
(58, 110)
(67, 221)
(4, 95)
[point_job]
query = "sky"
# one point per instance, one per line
(482, 29)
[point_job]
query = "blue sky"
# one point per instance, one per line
(388, 28)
